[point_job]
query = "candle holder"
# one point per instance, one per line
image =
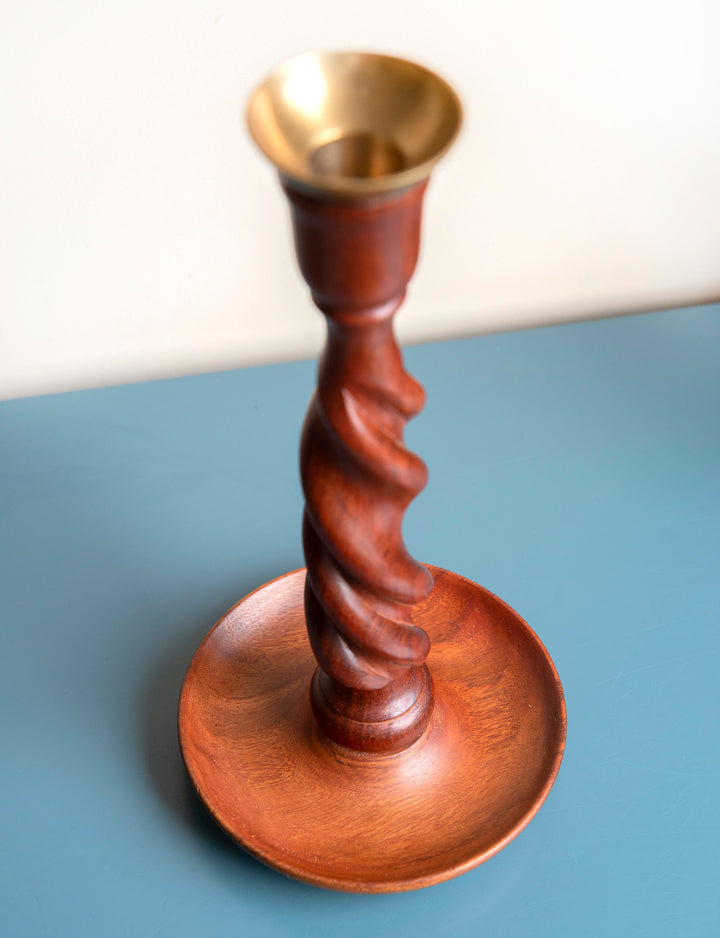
(369, 723)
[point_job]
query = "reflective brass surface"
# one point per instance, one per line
(353, 123)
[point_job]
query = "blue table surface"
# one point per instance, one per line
(574, 471)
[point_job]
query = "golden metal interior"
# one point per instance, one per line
(353, 123)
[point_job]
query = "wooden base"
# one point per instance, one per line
(364, 822)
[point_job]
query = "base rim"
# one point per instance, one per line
(241, 776)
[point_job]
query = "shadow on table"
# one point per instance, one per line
(160, 739)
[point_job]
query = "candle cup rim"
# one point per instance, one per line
(383, 126)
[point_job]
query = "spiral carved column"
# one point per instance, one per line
(372, 690)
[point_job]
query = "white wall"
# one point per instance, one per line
(141, 235)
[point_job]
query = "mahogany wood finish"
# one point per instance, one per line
(372, 690)
(341, 760)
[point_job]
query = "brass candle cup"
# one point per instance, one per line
(353, 124)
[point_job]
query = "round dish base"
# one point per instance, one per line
(366, 822)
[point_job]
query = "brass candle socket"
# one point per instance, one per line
(353, 124)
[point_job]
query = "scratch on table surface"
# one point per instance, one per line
(704, 653)
(677, 620)
(159, 928)
(616, 757)
(670, 772)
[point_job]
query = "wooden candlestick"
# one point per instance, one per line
(372, 690)
(364, 768)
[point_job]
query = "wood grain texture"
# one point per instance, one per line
(372, 690)
(370, 822)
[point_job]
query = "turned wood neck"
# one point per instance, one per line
(357, 254)
(372, 690)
